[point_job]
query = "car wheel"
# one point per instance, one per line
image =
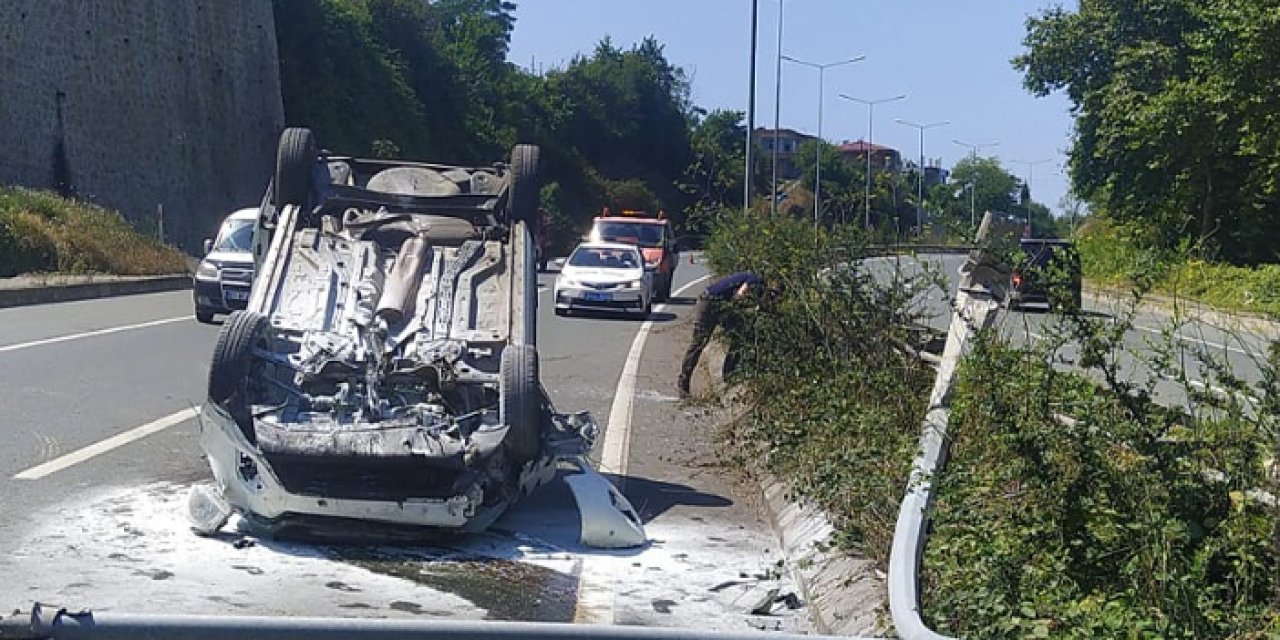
(520, 399)
(295, 159)
(204, 317)
(522, 191)
(231, 366)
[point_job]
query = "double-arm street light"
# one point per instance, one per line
(973, 198)
(822, 70)
(920, 188)
(1031, 176)
(871, 123)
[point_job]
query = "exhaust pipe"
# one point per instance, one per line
(403, 281)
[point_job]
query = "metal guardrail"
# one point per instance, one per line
(53, 623)
(977, 305)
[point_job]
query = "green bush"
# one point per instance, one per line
(836, 406)
(42, 232)
(1134, 521)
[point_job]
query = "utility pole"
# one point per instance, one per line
(973, 154)
(920, 188)
(871, 122)
(822, 70)
(751, 110)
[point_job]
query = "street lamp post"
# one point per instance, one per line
(751, 110)
(973, 198)
(1031, 176)
(871, 121)
(822, 71)
(777, 111)
(920, 188)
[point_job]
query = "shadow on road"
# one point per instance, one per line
(681, 301)
(652, 498)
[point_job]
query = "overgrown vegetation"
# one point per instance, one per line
(1117, 256)
(836, 408)
(1075, 509)
(43, 232)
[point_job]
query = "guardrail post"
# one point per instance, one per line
(984, 280)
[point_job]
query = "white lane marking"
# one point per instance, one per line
(114, 442)
(1220, 391)
(595, 577)
(1186, 338)
(91, 334)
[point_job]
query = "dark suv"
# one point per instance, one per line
(1047, 272)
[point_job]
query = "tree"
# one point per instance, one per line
(1174, 104)
(996, 189)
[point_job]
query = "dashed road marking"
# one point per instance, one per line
(91, 334)
(114, 442)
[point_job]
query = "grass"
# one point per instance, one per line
(1112, 257)
(41, 232)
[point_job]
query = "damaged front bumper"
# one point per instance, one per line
(248, 483)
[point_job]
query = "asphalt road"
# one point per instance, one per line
(1193, 341)
(119, 377)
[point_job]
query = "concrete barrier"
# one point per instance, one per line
(86, 288)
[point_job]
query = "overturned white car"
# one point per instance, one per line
(386, 367)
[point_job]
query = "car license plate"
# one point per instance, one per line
(236, 295)
(597, 296)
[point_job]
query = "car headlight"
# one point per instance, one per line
(207, 271)
(635, 284)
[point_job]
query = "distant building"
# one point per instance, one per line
(934, 174)
(882, 158)
(788, 142)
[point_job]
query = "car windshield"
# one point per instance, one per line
(638, 233)
(605, 258)
(236, 235)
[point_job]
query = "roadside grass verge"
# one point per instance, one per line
(1111, 256)
(42, 232)
(834, 405)
(1132, 521)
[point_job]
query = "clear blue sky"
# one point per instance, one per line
(950, 58)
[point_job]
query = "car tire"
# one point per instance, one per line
(522, 192)
(231, 365)
(296, 157)
(520, 401)
(204, 317)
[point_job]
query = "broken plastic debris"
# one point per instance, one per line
(765, 605)
(206, 509)
(608, 519)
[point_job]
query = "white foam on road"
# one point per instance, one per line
(91, 334)
(132, 550)
(596, 581)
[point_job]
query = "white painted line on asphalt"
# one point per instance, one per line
(595, 578)
(1213, 388)
(114, 442)
(1185, 338)
(91, 334)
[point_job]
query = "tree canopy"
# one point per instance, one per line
(1177, 115)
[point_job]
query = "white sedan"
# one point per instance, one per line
(604, 276)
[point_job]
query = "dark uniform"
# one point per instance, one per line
(712, 311)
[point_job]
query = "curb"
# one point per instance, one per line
(25, 296)
(844, 594)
